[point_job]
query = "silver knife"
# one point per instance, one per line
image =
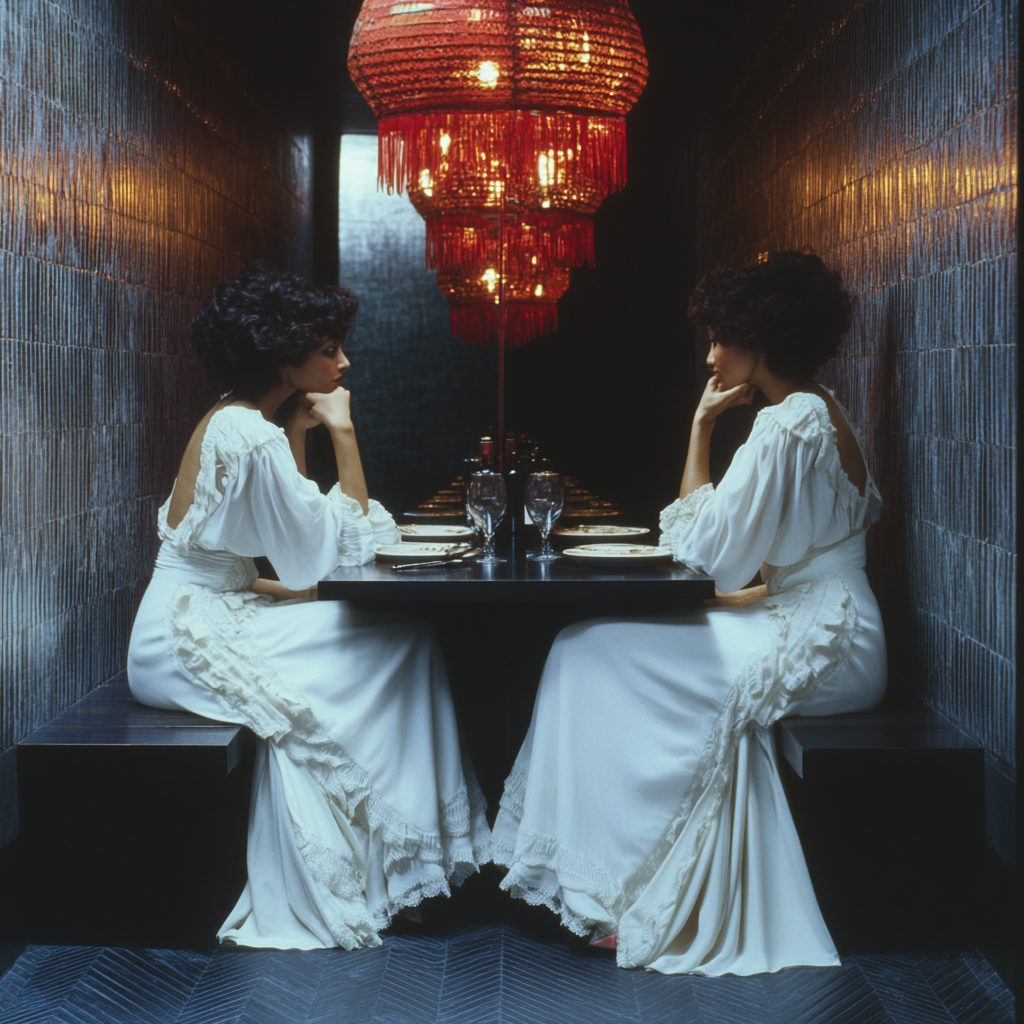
(454, 559)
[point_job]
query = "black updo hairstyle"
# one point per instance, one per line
(789, 306)
(260, 320)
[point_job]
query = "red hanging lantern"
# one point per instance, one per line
(452, 78)
(506, 123)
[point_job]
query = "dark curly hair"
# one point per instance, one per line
(260, 320)
(789, 306)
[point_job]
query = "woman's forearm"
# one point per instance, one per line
(698, 457)
(350, 466)
(297, 443)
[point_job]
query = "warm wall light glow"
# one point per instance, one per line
(488, 73)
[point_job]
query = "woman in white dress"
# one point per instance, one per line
(361, 804)
(645, 805)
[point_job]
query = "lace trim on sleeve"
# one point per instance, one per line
(679, 516)
(813, 626)
(356, 542)
(212, 635)
(384, 530)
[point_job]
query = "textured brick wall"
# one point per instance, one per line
(883, 133)
(135, 170)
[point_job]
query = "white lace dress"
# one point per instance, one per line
(646, 798)
(361, 802)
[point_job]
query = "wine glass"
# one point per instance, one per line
(544, 500)
(486, 502)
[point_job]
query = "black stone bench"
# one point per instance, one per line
(109, 717)
(810, 744)
(133, 824)
(889, 806)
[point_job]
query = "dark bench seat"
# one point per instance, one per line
(889, 806)
(810, 742)
(133, 825)
(110, 716)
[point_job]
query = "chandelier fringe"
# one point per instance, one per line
(531, 152)
(460, 242)
(478, 324)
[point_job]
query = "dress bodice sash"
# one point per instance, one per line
(221, 571)
(842, 559)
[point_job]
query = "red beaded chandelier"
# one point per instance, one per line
(506, 122)
(453, 79)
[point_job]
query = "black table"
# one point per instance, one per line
(520, 580)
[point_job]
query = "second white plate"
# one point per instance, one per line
(606, 553)
(437, 532)
(417, 552)
(599, 532)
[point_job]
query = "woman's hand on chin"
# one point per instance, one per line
(716, 399)
(302, 419)
(331, 409)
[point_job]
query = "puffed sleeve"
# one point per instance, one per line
(767, 503)
(269, 508)
(384, 530)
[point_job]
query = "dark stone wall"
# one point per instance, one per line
(883, 134)
(135, 170)
(420, 398)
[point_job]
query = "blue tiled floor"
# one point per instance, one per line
(496, 974)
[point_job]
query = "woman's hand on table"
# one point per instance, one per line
(333, 410)
(279, 592)
(737, 598)
(715, 400)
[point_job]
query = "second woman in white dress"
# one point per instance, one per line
(362, 804)
(645, 805)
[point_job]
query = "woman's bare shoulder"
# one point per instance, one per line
(188, 472)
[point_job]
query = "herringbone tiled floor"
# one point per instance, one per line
(496, 974)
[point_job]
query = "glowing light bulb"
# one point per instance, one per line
(426, 183)
(539, 290)
(446, 141)
(490, 278)
(545, 204)
(585, 55)
(488, 73)
(534, 261)
(545, 170)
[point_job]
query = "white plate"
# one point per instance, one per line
(417, 552)
(598, 532)
(434, 532)
(589, 513)
(618, 553)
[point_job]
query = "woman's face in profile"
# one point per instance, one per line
(731, 364)
(322, 370)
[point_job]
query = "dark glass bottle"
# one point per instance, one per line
(513, 474)
(487, 453)
(469, 467)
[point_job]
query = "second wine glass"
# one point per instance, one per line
(544, 500)
(485, 502)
